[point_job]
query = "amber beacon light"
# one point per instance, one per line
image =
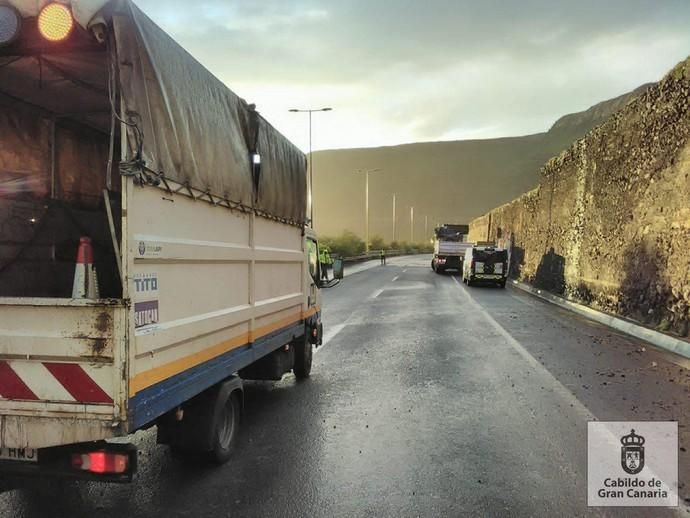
(55, 23)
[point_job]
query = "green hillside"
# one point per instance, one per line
(448, 182)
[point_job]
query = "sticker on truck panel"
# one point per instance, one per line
(52, 381)
(145, 313)
(149, 249)
(145, 284)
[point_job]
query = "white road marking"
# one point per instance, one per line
(395, 278)
(330, 335)
(559, 388)
(376, 293)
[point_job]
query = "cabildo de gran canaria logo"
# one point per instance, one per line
(633, 463)
(632, 453)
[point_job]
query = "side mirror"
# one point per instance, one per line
(338, 268)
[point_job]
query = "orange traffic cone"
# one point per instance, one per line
(85, 280)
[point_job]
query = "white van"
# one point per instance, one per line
(485, 264)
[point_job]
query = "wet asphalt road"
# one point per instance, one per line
(428, 399)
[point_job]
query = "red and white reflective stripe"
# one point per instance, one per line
(69, 382)
(12, 386)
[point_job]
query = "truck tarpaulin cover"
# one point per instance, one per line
(452, 232)
(197, 132)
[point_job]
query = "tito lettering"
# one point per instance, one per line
(145, 284)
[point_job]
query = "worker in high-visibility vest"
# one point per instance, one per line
(383, 257)
(326, 261)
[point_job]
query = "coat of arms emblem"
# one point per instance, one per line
(632, 453)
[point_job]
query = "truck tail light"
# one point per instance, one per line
(101, 462)
(55, 22)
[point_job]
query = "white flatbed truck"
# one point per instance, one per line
(450, 244)
(197, 210)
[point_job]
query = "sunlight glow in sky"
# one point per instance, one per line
(406, 71)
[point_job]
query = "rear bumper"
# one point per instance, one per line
(494, 277)
(448, 262)
(55, 463)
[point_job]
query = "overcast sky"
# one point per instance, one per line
(397, 71)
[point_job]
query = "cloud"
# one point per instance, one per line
(403, 70)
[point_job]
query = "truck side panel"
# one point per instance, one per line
(213, 290)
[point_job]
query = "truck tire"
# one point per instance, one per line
(502, 284)
(226, 424)
(210, 426)
(303, 357)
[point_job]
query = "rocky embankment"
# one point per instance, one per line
(609, 223)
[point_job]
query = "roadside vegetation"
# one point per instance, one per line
(348, 244)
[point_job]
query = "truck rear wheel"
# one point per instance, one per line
(303, 357)
(225, 429)
(210, 425)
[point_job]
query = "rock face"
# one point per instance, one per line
(609, 223)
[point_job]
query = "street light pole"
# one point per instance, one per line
(426, 227)
(311, 177)
(311, 160)
(366, 213)
(366, 204)
(395, 222)
(411, 225)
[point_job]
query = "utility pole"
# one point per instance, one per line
(366, 204)
(311, 161)
(426, 228)
(366, 213)
(395, 222)
(411, 225)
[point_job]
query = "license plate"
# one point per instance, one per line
(19, 454)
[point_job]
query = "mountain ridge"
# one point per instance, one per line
(445, 181)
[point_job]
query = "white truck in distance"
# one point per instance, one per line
(450, 245)
(190, 207)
